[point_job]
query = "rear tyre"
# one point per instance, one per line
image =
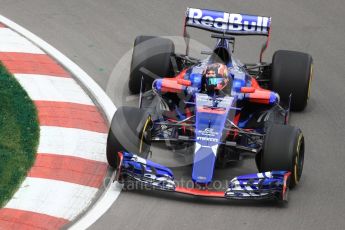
(283, 149)
(130, 131)
(152, 53)
(291, 74)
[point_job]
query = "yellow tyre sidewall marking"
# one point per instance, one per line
(310, 79)
(298, 148)
(142, 134)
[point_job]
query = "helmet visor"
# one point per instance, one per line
(212, 81)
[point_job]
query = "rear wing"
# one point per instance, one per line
(227, 23)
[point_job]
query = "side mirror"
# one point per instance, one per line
(247, 90)
(184, 82)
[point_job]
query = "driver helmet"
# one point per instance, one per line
(215, 77)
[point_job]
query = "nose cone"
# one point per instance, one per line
(209, 125)
(204, 160)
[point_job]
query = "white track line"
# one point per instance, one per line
(50, 88)
(100, 207)
(88, 145)
(11, 41)
(52, 197)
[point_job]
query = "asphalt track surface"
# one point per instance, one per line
(96, 34)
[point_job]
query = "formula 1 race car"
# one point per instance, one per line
(218, 107)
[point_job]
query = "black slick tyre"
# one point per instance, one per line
(130, 131)
(292, 74)
(283, 149)
(154, 54)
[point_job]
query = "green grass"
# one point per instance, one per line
(19, 134)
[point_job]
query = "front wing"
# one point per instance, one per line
(259, 186)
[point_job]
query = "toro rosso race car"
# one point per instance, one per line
(218, 107)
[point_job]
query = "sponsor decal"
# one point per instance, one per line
(228, 22)
(208, 132)
(207, 139)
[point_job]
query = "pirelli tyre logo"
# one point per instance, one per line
(227, 22)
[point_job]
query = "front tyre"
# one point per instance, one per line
(283, 149)
(130, 131)
(291, 74)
